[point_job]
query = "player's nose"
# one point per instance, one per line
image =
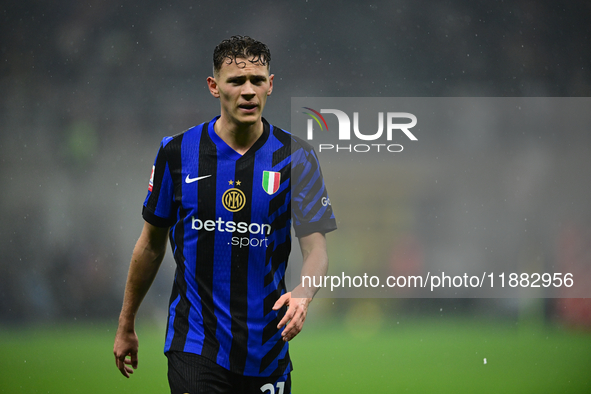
(248, 89)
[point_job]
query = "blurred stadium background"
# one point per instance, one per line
(89, 88)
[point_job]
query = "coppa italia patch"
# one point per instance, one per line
(271, 181)
(151, 184)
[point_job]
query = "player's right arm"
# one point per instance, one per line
(145, 262)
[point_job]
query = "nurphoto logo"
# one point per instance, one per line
(396, 123)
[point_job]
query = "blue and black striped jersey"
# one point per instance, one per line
(230, 217)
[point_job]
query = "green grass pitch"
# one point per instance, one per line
(412, 355)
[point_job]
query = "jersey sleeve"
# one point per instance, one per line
(158, 207)
(311, 208)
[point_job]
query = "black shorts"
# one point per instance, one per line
(194, 374)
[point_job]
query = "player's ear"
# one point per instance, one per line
(213, 87)
(270, 84)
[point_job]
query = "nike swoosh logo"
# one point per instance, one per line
(188, 179)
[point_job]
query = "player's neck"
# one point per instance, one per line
(238, 137)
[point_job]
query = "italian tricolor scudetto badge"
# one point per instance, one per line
(271, 181)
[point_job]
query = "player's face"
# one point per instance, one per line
(242, 90)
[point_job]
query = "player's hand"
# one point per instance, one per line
(294, 317)
(125, 351)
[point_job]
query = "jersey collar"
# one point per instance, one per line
(231, 153)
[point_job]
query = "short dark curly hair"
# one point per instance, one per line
(240, 47)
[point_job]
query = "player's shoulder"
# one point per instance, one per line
(297, 143)
(174, 141)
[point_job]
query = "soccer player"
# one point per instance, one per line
(226, 193)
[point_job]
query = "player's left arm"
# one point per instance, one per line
(315, 256)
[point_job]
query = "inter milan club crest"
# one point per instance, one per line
(234, 199)
(271, 181)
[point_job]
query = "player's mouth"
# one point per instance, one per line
(248, 107)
